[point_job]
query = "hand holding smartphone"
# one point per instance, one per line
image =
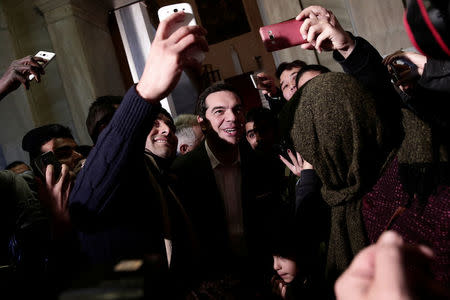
(48, 56)
(282, 35)
(42, 161)
(189, 20)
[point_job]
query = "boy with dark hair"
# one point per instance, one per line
(53, 137)
(100, 113)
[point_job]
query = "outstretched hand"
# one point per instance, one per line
(298, 163)
(18, 72)
(323, 32)
(167, 58)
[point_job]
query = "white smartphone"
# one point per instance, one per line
(48, 56)
(189, 20)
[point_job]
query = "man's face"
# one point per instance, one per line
(64, 150)
(224, 115)
(307, 76)
(260, 136)
(287, 82)
(250, 134)
(162, 140)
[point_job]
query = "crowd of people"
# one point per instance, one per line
(341, 190)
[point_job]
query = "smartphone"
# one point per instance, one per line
(189, 20)
(42, 161)
(48, 56)
(255, 80)
(282, 35)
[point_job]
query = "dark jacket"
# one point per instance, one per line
(196, 185)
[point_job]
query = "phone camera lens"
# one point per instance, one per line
(175, 10)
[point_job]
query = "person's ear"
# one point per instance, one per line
(184, 148)
(203, 123)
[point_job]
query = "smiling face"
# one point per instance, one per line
(285, 267)
(224, 116)
(287, 82)
(162, 140)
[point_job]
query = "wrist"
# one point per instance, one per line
(144, 92)
(348, 46)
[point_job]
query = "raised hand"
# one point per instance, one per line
(323, 32)
(18, 72)
(167, 57)
(298, 163)
(56, 198)
(267, 84)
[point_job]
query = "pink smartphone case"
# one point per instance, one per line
(281, 35)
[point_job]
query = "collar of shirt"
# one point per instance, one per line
(213, 159)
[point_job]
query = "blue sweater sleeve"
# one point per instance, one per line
(113, 159)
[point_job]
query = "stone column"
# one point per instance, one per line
(86, 56)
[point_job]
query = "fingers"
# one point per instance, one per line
(262, 75)
(389, 269)
(49, 180)
(294, 160)
(314, 9)
(299, 157)
(305, 27)
(190, 40)
(185, 31)
(163, 30)
(355, 281)
(287, 163)
(314, 31)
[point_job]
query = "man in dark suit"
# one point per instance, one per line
(225, 188)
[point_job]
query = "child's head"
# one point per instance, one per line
(285, 267)
(285, 250)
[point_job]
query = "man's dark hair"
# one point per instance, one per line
(319, 68)
(261, 113)
(100, 113)
(200, 108)
(14, 164)
(35, 138)
(169, 116)
(288, 66)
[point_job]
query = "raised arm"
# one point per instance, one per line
(120, 146)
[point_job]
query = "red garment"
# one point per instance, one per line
(425, 223)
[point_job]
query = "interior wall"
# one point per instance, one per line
(23, 32)
(248, 45)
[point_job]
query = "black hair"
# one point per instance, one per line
(35, 138)
(258, 114)
(15, 164)
(200, 108)
(288, 66)
(100, 113)
(319, 68)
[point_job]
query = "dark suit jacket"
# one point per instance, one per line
(197, 188)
